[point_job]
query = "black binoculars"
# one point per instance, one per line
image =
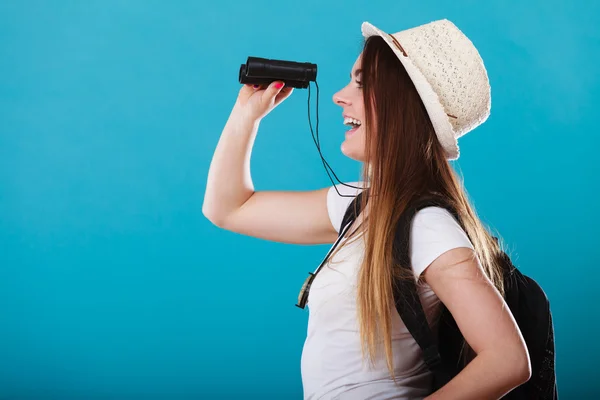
(263, 71)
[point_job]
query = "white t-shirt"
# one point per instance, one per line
(332, 365)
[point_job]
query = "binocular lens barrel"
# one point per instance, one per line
(264, 71)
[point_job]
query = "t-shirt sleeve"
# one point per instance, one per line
(434, 231)
(337, 205)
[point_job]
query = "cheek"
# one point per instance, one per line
(359, 108)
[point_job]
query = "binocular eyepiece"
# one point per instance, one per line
(263, 71)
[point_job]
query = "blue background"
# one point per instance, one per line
(112, 282)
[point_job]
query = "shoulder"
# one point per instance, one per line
(434, 231)
(432, 218)
(339, 198)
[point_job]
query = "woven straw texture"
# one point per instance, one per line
(449, 75)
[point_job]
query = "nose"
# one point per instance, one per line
(341, 99)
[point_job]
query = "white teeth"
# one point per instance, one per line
(352, 121)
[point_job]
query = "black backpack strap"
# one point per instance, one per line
(406, 297)
(352, 211)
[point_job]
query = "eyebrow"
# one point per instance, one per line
(356, 73)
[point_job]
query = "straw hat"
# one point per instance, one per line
(449, 75)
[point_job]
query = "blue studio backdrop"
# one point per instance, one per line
(112, 282)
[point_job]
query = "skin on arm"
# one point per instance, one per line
(230, 200)
(483, 317)
(288, 217)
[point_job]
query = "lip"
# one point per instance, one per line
(351, 131)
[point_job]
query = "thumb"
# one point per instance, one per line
(273, 90)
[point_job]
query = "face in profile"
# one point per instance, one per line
(350, 98)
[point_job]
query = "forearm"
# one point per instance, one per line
(229, 183)
(488, 376)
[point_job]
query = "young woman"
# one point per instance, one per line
(410, 97)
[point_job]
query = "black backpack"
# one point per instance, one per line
(525, 298)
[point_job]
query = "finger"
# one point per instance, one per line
(273, 90)
(283, 94)
(251, 86)
(246, 91)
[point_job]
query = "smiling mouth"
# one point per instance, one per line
(353, 123)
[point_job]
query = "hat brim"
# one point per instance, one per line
(433, 105)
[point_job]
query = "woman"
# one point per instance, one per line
(410, 97)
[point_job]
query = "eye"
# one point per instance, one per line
(359, 83)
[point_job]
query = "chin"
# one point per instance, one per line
(355, 154)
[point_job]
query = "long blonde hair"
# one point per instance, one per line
(404, 160)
